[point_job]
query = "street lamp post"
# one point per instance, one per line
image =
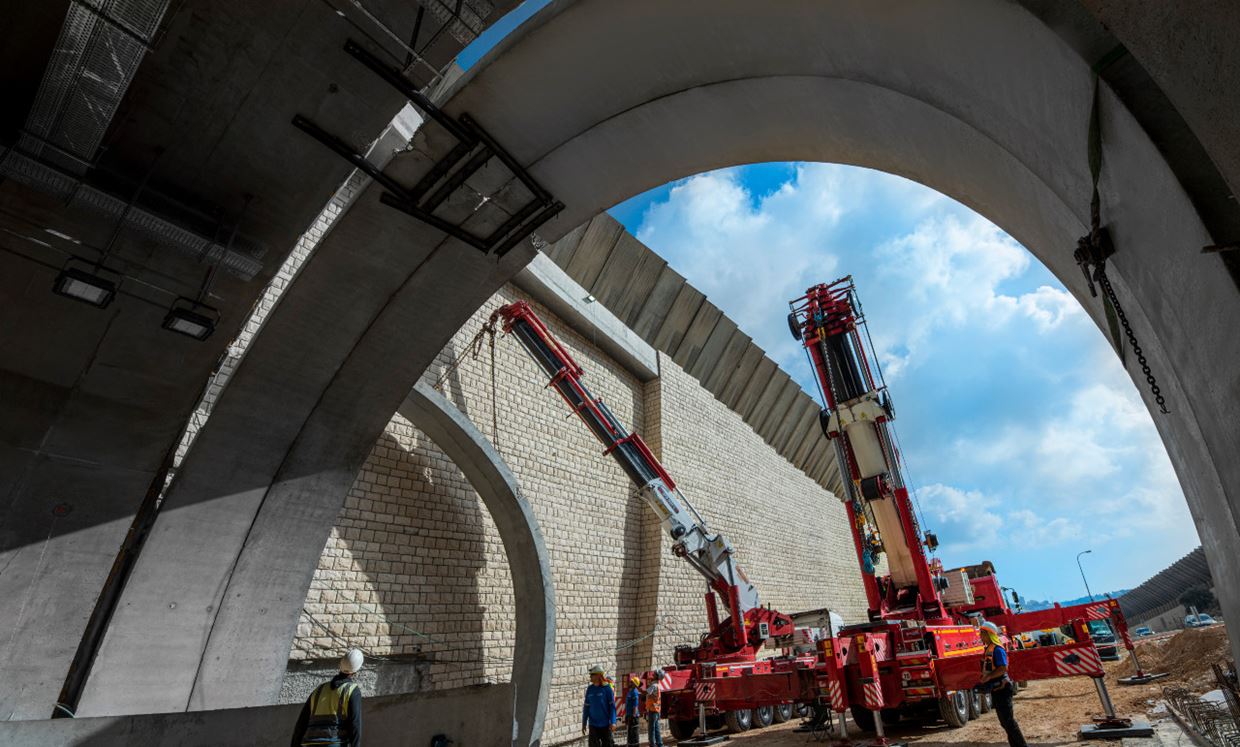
(1082, 570)
(1015, 597)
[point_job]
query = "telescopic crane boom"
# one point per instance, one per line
(708, 552)
(828, 322)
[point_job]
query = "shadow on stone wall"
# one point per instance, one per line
(403, 579)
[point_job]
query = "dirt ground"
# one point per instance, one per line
(1051, 711)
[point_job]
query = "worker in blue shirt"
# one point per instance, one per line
(995, 680)
(598, 717)
(632, 710)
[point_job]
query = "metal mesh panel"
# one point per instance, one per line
(465, 25)
(239, 261)
(91, 66)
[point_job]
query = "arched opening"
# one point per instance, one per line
(1023, 436)
(984, 104)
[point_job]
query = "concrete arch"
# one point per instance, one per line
(533, 590)
(981, 101)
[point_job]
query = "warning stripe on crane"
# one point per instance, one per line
(704, 691)
(1098, 612)
(666, 682)
(837, 697)
(873, 692)
(1078, 661)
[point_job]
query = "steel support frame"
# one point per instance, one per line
(438, 184)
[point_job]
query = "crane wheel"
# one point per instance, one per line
(955, 708)
(987, 703)
(975, 704)
(863, 717)
(738, 721)
(682, 729)
(782, 713)
(763, 716)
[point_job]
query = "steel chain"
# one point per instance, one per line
(1105, 282)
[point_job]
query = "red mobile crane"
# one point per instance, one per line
(737, 631)
(920, 647)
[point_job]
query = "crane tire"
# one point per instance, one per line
(739, 721)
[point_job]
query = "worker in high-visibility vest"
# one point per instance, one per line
(995, 680)
(332, 715)
(654, 709)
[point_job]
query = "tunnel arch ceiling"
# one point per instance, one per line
(982, 102)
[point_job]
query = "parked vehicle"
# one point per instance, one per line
(1199, 620)
(1104, 640)
(1143, 631)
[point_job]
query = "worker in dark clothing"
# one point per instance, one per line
(332, 715)
(598, 717)
(995, 680)
(632, 710)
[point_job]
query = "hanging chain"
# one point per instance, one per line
(1105, 282)
(1093, 249)
(474, 349)
(494, 386)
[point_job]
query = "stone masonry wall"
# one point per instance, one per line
(414, 570)
(415, 566)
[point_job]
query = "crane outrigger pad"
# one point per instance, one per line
(1141, 679)
(1117, 729)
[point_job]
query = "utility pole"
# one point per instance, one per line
(1082, 570)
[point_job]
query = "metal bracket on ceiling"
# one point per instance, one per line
(475, 148)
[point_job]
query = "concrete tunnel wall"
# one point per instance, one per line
(981, 102)
(94, 400)
(408, 719)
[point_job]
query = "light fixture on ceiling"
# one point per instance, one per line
(96, 286)
(191, 318)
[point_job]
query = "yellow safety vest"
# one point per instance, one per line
(329, 709)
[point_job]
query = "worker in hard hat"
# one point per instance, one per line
(332, 715)
(632, 710)
(654, 708)
(598, 717)
(995, 680)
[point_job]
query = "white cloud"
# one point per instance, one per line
(952, 269)
(752, 255)
(962, 519)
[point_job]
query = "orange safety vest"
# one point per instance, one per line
(652, 701)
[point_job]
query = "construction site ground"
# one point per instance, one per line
(1051, 712)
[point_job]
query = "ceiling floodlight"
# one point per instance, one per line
(192, 319)
(96, 286)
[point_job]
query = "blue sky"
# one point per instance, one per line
(1025, 439)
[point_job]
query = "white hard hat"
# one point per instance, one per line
(352, 661)
(992, 627)
(597, 669)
